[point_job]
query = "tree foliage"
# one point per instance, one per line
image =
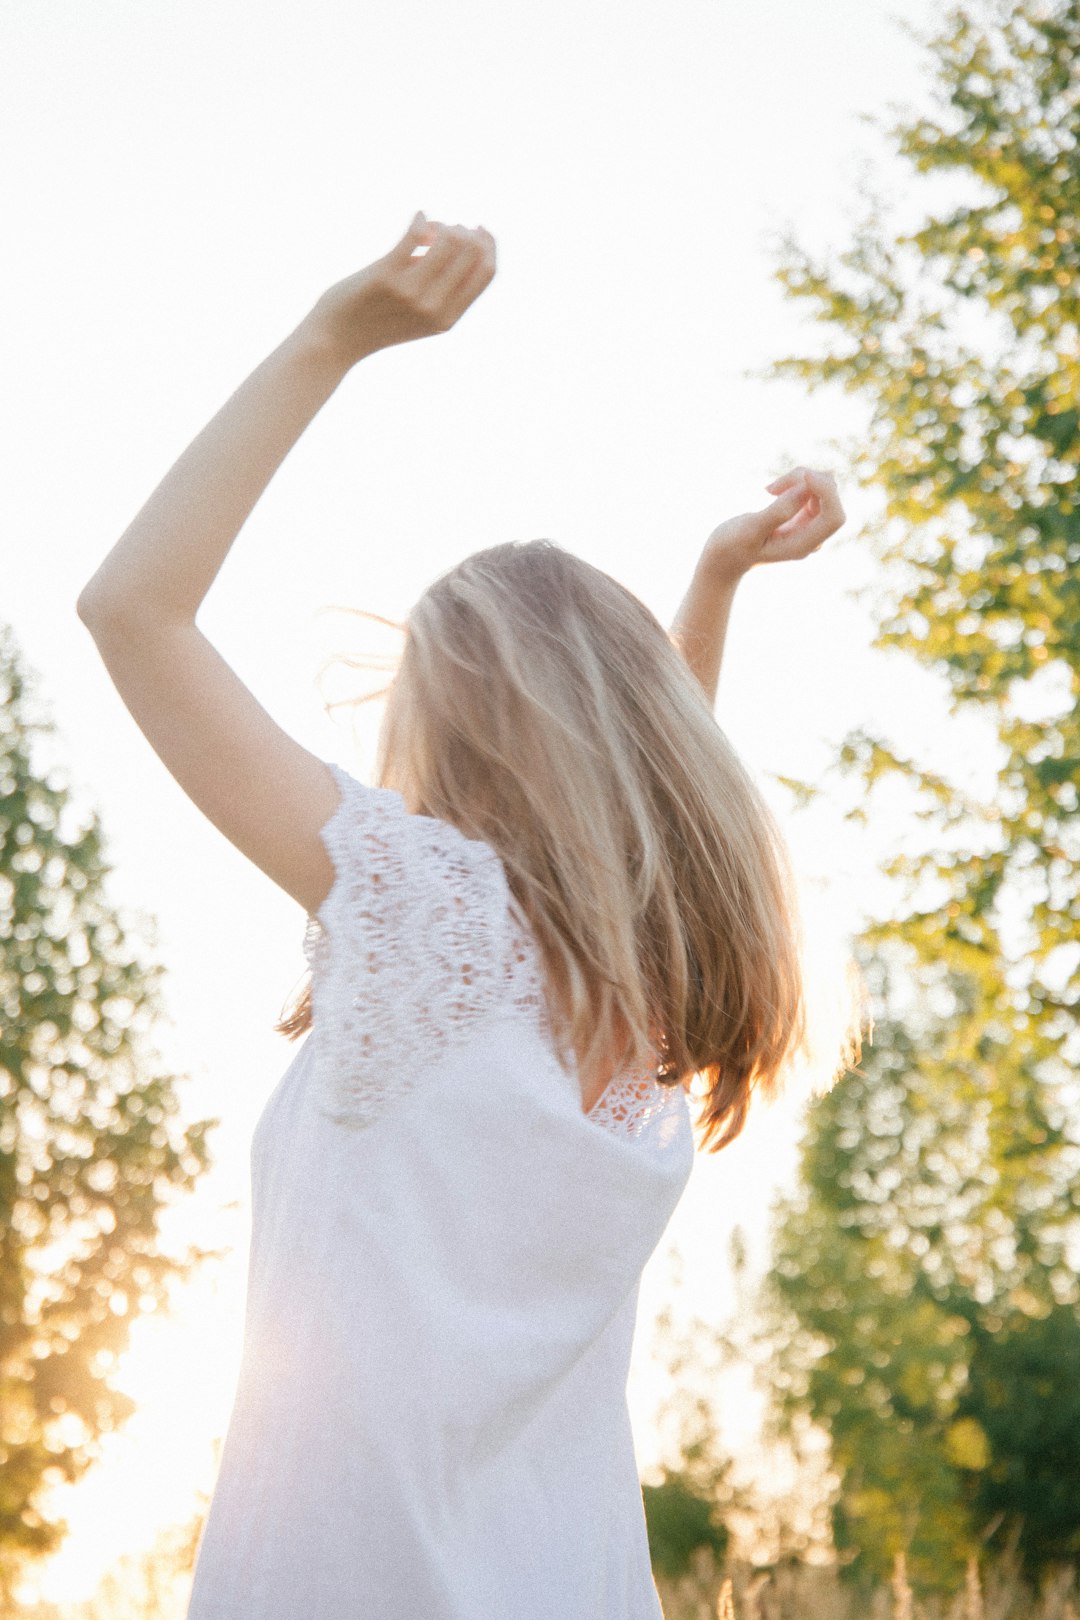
(687, 1508)
(91, 1150)
(680, 1520)
(925, 1283)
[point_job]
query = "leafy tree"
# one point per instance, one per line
(933, 1241)
(680, 1520)
(688, 1508)
(1024, 1397)
(90, 1147)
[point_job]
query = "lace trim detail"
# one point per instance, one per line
(418, 940)
(412, 947)
(632, 1100)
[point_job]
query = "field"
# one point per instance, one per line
(155, 1588)
(740, 1592)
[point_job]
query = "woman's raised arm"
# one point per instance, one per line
(805, 513)
(166, 560)
(260, 787)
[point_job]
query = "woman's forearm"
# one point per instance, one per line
(805, 512)
(700, 625)
(166, 560)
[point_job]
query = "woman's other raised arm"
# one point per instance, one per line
(805, 513)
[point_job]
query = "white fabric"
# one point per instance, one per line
(430, 1421)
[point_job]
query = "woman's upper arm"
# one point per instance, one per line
(268, 794)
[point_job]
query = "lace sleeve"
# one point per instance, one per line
(407, 950)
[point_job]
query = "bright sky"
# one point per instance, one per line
(181, 183)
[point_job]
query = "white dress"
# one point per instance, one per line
(431, 1421)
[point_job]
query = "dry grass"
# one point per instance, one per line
(809, 1592)
(155, 1587)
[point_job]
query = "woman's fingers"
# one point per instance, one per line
(442, 253)
(830, 513)
(454, 272)
(451, 257)
(782, 509)
(819, 482)
(809, 508)
(469, 290)
(819, 487)
(805, 511)
(465, 275)
(778, 485)
(420, 229)
(817, 513)
(813, 525)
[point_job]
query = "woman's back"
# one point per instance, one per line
(446, 1253)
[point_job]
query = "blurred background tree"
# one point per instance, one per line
(924, 1301)
(686, 1508)
(154, 1584)
(91, 1151)
(681, 1518)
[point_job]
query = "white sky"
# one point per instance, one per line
(180, 182)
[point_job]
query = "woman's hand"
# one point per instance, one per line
(405, 295)
(806, 512)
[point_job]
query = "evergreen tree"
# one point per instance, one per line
(929, 1255)
(91, 1150)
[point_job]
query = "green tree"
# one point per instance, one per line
(688, 1507)
(1024, 1397)
(935, 1231)
(91, 1151)
(681, 1519)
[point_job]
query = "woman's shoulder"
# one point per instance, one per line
(418, 941)
(379, 818)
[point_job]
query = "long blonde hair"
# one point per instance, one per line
(540, 706)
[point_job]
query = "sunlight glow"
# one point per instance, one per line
(636, 294)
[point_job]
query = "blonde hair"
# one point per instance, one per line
(540, 706)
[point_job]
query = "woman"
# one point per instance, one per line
(564, 900)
